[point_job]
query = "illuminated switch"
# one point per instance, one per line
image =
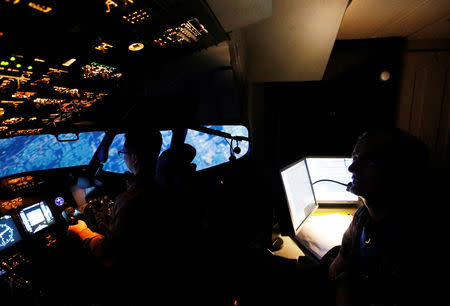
(39, 7)
(59, 201)
(103, 47)
(136, 17)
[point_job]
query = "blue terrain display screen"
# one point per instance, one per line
(42, 152)
(214, 150)
(9, 234)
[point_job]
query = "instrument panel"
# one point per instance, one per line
(20, 183)
(16, 185)
(32, 227)
(27, 219)
(9, 234)
(31, 207)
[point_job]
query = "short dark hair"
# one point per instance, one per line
(406, 150)
(145, 143)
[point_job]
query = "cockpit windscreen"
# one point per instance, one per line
(41, 152)
(36, 217)
(9, 234)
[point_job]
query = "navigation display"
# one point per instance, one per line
(36, 217)
(9, 234)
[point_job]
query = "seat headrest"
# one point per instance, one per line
(184, 155)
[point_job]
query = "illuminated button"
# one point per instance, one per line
(136, 47)
(59, 201)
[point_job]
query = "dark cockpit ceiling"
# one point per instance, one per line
(184, 57)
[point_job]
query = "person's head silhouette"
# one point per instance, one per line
(388, 165)
(141, 149)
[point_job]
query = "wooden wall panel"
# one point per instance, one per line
(443, 139)
(424, 108)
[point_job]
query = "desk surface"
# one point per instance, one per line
(290, 248)
(321, 211)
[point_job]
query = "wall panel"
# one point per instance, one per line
(423, 107)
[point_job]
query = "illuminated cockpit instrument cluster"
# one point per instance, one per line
(35, 95)
(11, 204)
(59, 60)
(187, 32)
(19, 183)
(98, 71)
(138, 16)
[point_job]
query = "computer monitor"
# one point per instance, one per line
(9, 235)
(323, 171)
(36, 217)
(299, 193)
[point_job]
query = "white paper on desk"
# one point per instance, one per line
(321, 233)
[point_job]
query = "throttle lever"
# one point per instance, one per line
(71, 215)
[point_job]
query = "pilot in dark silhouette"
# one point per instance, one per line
(136, 251)
(378, 262)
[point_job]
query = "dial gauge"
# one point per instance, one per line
(6, 235)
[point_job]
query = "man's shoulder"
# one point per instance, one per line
(142, 193)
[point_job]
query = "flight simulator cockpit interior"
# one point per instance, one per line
(258, 104)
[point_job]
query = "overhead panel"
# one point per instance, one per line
(67, 63)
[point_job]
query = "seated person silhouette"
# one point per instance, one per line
(136, 251)
(174, 167)
(378, 262)
(175, 173)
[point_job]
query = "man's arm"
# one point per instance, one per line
(338, 271)
(95, 242)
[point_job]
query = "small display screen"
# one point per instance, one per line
(9, 234)
(36, 217)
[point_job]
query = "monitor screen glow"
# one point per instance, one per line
(299, 193)
(36, 217)
(332, 168)
(9, 235)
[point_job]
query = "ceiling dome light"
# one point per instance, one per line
(136, 47)
(385, 76)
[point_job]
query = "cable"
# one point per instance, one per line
(326, 180)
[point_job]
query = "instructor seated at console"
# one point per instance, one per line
(378, 262)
